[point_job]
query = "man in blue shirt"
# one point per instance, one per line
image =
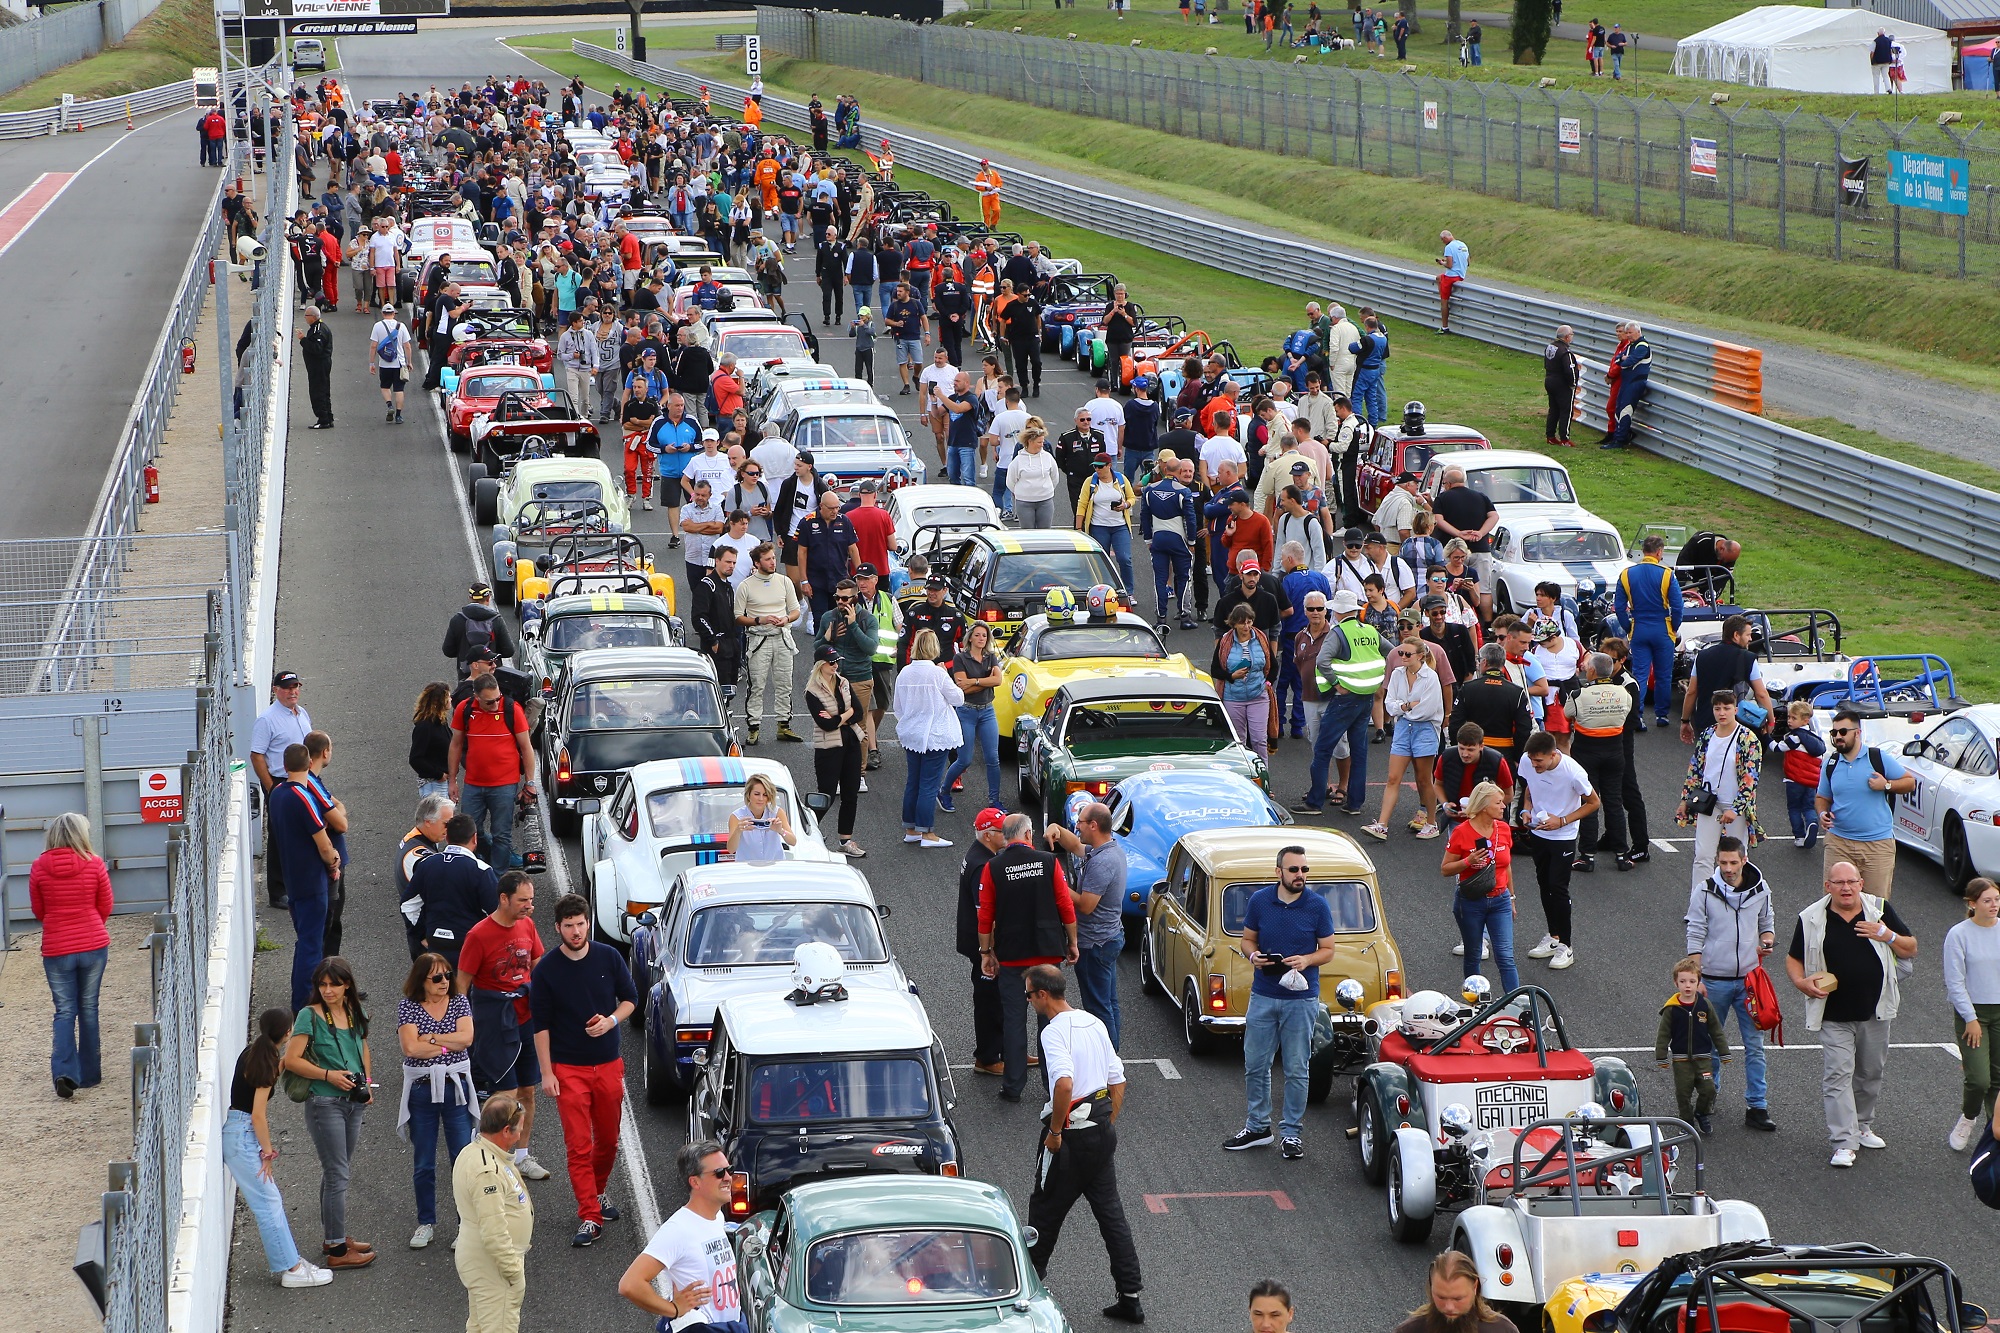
(1858, 787)
(1455, 261)
(300, 839)
(1287, 936)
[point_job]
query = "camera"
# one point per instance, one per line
(360, 1092)
(249, 249)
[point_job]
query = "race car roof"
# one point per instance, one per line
(1097, 688)
(777, 881)
(602, 663)
(867, 1020)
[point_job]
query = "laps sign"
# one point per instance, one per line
(160, 796)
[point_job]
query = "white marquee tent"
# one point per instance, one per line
(1811, 50)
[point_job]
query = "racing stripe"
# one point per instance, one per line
(1011, 545)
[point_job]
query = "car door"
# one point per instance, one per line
(1046, 738)
(1970, 779)
(1919, 812)
(1170, 925)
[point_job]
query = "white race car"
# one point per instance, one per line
(1953, 816)
(668, 816)
(1580, 554)
(933, 518)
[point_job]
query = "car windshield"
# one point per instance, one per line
(753, 934)
(1061, 645)
(1184, 720)
(566, 634)
(953, 516)
(677, 814)
(1567, 544)
(1038, 571)
(1522, 485)
(875, 434)
(912, 1267)
(826, 397)
(754, 347)
(492, 386)
(565, 490)
(863, 1088)
(475, 271)
(1352, 905)
(597, 157)
(625, 705)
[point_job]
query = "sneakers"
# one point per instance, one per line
(945, 804)
(399, 416)
(852, 850)
(1563, 958)
(533, 1170)
(1812, 835)
(1187, 621)
(422, 1236)
(1427, 832)
(1842, 1157)
(751, 737)
(1961, 1134)
(1304, 806)
(1248, 1138)
(1870, 1139)
(1379, 832)
(785, 732)
(303, 1274)
(1799, 841)
(1485, 949)
(1547, 948)
(388, 416)
(931, 840)
(647, 504)
(874, 760)
(1584, 865)
(1704, 1124)
(1292, 1149)
(586, 1234)
(1625, 862)
(1757, 1117)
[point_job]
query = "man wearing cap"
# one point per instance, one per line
(1138, 433)
(283, 723)
(1257, 588)
(830, 270)
(798, 500)
(1399, 507)
(711, 464)
(477, 625)
(874, 530)
(987, 182)
(1247, 531)
(1171, 529)
(1076, 452)
(489, 764)
(1281, 468)
(935, 613)
(987, 840)
(1350, 668)
(827, 554)
(1298, 525)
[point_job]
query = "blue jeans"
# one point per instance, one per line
(1097, 982)
(1136, 463)
(1348, 715)
(1000, 495)
(1117, 541)
(242, 1155)
(1617, 63)
(981, 727)
(1280, 1028)
(1173, 565)
(433, 789)
(1289, 683)
(1730, 997)
(73, 982)
(1799, 805)
(1492, 918)
(961, 465)
(1369, 395)
(924, 773)
(426, 1118)
(309, 924)
(862, 291)
(1653, 653)
(491, 810)
(1474, 48)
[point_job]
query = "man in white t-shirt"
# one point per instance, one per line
(385, 247)
(389, 349)
(1004, 435)
(1221, 447)
(1559, 797)
(933, 387)
(691, 1248)
(1107, 415)
(710, 465)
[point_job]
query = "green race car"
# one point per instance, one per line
(1098, 730)
(891, 1254)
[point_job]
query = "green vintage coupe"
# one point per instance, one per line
(1095, 731)
(892, 1254)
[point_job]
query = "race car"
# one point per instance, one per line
(586, 562)
(887, 1256)
(726, 930)
(496, 335)
(1452, 1086)
(534, 501)
(777, 388)
(664, 817)
(763, 340)
(533, 424)
(933, 516)
(852, 442)
(1095, 732)
(615, 708)
(1582, 556)
(1047, 653)
(1520, 483)
(1953, 814)
(1150, 812)
(473, 392)
(1075, 302)
(556, 626)
(1003, 577)
(1398, 449)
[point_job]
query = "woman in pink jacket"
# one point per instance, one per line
(70, 892)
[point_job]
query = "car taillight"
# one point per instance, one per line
(991, 613)
(1102, 787)
(1402, 1103)
(948, 1169)
(739, 1194)
(1392, 985)
(548, 684)
(693, 1036)
(562, 766)
(1628, 1240)
(1618, 1099)
(1505, 1254)
(1218, 992)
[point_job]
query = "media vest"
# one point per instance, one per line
(1364, 669)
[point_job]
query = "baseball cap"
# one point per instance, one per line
(825, 653)
(711, 433)
(937, 581)
(864, 312)
(868, 572)
(1301, 466)
(1432, 602)
(1376, 539)
(1100, 459)
(1345, 601)
(284, 680)
(482, 655)
(992, 817)
(479, 591)
(1402, 477)
(1351, 537)
(803, 456)
(868, 486)
(1250, 566)
(1545, 630)
(1104, 385)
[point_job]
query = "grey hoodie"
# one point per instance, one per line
(1724, 924)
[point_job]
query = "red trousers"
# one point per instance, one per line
(330, 281)
(590, 1103)
(638, 467)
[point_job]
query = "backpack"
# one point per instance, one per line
(478, 635)
(1761, 998)
(385, 350)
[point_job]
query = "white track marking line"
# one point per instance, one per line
(43, 211)
(1770, 1046)
(1168, 1070)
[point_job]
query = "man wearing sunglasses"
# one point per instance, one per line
(1858, 787)
(1287, 936)
(692, 1249)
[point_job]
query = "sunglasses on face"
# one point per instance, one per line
(1297, 870)
(1841, 731)
(719, 1173)
(440, 976)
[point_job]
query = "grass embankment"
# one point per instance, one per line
(160, 49)
(674, 37)
(1659, 18)
(1927, 325)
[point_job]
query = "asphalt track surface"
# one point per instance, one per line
(87, 286)
(377, 553)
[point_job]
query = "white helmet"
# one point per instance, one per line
(1428, 1015)
(816, 965)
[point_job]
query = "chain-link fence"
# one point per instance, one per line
(1800, 181)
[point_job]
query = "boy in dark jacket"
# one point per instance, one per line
(1802, 749)
(1691, 1037)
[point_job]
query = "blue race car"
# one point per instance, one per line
(1150, 812)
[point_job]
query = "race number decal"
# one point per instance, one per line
(1511, 1105)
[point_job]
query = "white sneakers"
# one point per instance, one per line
(1547, 948)
(930, 840)
(303, 1274)
(422, 1236)
(1564, 957)
(1870, 1139)
(1961, 1134)
(533, 1169)
(1843, 1157)
(1485, 949)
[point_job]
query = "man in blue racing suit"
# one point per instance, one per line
(1168, 522)
(1370, 355)
(1634, 363)
(1647, 599)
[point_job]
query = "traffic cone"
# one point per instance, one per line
(128, 113)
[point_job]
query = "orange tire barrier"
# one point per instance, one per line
(1738, 378)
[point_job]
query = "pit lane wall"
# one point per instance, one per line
(1931, 514)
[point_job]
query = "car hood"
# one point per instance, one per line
(612, 751)
(702, 990)
(999, 1317)
(1050, 675)
(1121, 759)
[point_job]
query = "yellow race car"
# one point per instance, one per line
(1049, 653)
(1757, 1287)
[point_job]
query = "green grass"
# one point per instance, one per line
(1659, 18)
(160, 49)
(1928, 325)
(675, 37)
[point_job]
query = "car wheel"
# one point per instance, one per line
(1149, 980)
(1957, 856)
(564, 823)
(460, 441)
(503, 584)
(1028, 796)
(1373, 1142)
(662, 1088)
(1199, 1040)
(1319, 1080)
(486, 501)
(1503, 600)
(1403, 1226)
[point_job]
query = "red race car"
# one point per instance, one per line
(498, 336)
(477, 391)
(1407, 448)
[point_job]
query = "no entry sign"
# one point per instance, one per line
(160, 796)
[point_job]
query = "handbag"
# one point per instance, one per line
(1480, 883)
(1761, 998)
(297, 1086)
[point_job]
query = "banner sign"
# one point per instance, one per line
(753, 56)
(375, 27)
(1430, 115)
(1569, 134)
(1939, 184)
(1701, 158)
(1854, 180)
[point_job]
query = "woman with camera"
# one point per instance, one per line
(249, 1148)
(759, 829)
(1720, 794)
(1480, 853)
(434, 1027)
(329, 1051)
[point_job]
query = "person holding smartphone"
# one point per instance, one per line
(1104, 509)
(759, 829)
(1479, 842)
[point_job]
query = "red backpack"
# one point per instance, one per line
(1762, 998)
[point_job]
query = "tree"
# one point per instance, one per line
(638, 7)
(1453, 15)
(1530, 31)
(1408, 9)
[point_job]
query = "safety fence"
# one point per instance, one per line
(89, 115)
(32, 49)
(1800, 181)
(1682, 420)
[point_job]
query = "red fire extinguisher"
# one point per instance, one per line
(153, 483)
(187, 356)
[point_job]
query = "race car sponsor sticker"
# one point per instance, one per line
(1510, 1105)
(1160, 767)
(899, 1149)
(1020, 688)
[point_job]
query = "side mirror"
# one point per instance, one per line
(650, 920)
(589, 805)
(700, 1057)
(1913, 749)
(882, 910)
(752, 1246)
(1031, 1236)
(818, 802)
(1159, 887)
(1971, 1316)
(1026, 727)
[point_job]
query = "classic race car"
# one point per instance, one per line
(1758, 1287)
(1150, 812)
(726, 930)
(1189, 950)
(506, 333)
(535, 424)
(1521, 484)
(556, 626)
(534, 502)
(1953, 815)
(1452, 1086)
(666, 817)
(1047, 653)
(765, 341)
(617, 707)
(473, 392)
(1798, 650)
(851, 442)
(1076, 301)
(1094, 733)
(933, 516)
(823, 1081)
(775, 380)
(1002, 577)
(1581, 556)
(583, 561)
(877, 1256)
(1399, 449)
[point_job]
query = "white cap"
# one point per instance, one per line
(1345, 601)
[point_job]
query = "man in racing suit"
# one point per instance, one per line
(1634, 364)
(1350, 438)
(1371, 351)
(1168, 522)
(935, 613)
(1648, 601)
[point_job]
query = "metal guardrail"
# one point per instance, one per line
(90, 115)
(1935, 515)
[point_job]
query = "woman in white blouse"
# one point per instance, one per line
(927, 725)
(1413, 703)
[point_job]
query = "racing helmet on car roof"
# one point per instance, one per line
(1428, 1015)
(1413, 418)
(1061, 604)
(1102, 600)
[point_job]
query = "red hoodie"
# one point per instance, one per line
(71, 896)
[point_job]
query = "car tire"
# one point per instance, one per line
(461, 442)
(1319, 1077)
(662, 1088)
(503, 585)
(1503, 600)
(1372, 1140)
(1198, 1039)
(1149, 980)
(1957, 857)
(564, 823)
(486, 501)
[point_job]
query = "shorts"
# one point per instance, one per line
(1445, 283)
(1413, 739)
(788, 224)
(1482, 564)
(1554, 720)
(909, 351)
(630, 277)
(385, 281)
(885, 683)
(526, 1071)
(392, 377)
